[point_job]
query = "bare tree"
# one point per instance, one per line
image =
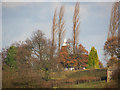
(111, 46)
(113, 30)
(41, 49)
(38, 44)
(113, 27)
(76, 25)
(61, 27)
(54, 29)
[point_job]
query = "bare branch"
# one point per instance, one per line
(61, 27)
(76, 25)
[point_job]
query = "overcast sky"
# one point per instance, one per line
(19, 20)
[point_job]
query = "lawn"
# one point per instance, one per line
(65, 79)
(69, 78)
(97, 84)
(86, 73)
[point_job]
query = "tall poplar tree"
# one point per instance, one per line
(61, 27)
(76, 26)
(53, 34)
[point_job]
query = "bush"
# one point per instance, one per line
(11, 57)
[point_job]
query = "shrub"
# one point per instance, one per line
(11, 57)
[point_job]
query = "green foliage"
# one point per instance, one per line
(93, 61)
(11, 57)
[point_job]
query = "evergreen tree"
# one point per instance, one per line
(93, 61)
(11, 57)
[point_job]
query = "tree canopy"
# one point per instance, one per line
(93, 61)
(11, 57)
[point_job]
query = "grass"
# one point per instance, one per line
(69, 77)
(79, 74)
(86, 73)
(19, 79)
(28, 78)
(97, 84)
(60, 75)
